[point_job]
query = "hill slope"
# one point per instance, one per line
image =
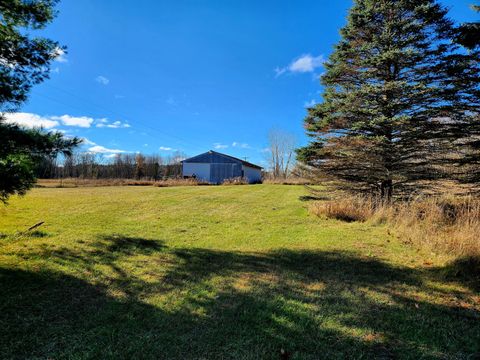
(230, 272)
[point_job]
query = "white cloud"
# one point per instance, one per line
(166, 148)
(220, 146)
(98, 149)
(55, 70)
(102, 80)
(102, 123)
(31, 120)
(86, 141)
(241, 145)
(60, 55)
(48, 122)
(309, 104)
(265, 150)
(303, 64)
(80, 121)
(280, 71)
(306, 63)
(110, 156)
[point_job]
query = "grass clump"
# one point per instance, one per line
(449, 224)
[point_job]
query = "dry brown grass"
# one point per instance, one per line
(77, 182)
(289, 181)
(235, 181)
(179, 182)
(348, 209)
(449, 224)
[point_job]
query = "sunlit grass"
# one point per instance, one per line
(229, 272)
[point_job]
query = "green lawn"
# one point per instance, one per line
(229, 272)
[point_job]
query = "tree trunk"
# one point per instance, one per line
(386, 190)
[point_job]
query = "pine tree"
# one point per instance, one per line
(24, 62)
(469, 33)
(467, 84)
(386, 105)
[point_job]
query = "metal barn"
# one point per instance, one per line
(215, 168)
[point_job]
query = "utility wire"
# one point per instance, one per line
(130, 120)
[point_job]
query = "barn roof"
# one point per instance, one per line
(213, 156)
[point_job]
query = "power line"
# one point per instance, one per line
(130, 120)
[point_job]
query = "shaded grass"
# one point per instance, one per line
(220, 273)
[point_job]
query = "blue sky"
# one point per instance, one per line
(156, 76)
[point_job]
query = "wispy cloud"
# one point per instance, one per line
(310, 104)
(219, 146)
(102, 80)
(98, 149)
(171, 101)
(86, 141)
(110, 156)
(166, 148)
(60, 55)
(241, 145)
(31, 120)
(104, 123)
(306, 63)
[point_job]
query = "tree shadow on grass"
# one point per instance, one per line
(313, 198)
(208, 304)
(465, 270)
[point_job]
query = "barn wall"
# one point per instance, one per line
(252, 175)
(202, 171)
(221, 172)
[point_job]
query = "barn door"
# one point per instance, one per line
(220, 172)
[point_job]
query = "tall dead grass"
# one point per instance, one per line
(78, 182)
(288, 181)
(449, 224)
(235, 181)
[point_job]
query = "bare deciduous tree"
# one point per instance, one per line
(121, 166)
(281, 149)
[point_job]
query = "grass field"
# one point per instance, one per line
(228, 272)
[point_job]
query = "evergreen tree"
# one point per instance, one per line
(386, 108)
(469, 33)
(467, 84)
(24, 62)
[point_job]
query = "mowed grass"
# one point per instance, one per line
(228, 272)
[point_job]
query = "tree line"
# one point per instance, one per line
(88, 165)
